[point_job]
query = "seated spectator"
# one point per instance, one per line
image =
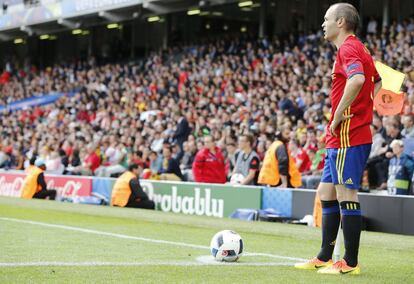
(90, 163)
(155, 163)
(209, 164)
(54, 163)
(302, 161)
(231, 158)
(248, 162)
(34, 185)
(376, 161)
(170, 169)
(117, 164)
(400, 171)
(408, 130)
(186, 164)
(127, 191)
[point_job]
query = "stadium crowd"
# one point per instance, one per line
(156, 113)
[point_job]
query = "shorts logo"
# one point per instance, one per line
(349, 181)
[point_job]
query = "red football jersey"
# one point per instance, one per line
(353, 58)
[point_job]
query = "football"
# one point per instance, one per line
(226, 246)
(236, 179)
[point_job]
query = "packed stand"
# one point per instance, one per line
(158, 113)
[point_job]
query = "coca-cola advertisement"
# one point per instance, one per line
(66, 186)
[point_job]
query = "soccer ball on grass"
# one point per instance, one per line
(226, 246)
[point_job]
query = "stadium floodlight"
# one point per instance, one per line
(205, 13)
(111, 16)
(243, 29)
(245, 4)
(26, 29)
(193, 12)
(77, 32)
(68, 23)
(112, 26)
(53, 37)
(18, 41)
(218, 14)
(85, 32)
(153, 19)
(45, 36)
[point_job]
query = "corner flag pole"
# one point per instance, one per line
(337, 248)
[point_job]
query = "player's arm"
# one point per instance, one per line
(378, 83)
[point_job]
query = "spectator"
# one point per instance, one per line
(231, 157)
(372, 26)
(90, 162)
(170, 169)
(209, 164)
(400, 170)
(186, 165)
(301, 158)
(182, 130)
(155, 163)
(376, 161)
(248, 162)
(408, 123)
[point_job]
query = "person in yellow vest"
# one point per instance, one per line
(127, 191)
(279, 168)
(31, 165)
(34, 185)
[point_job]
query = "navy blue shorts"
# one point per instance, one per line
(346, 165)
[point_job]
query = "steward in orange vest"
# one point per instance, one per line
(31, 165)
(279, 168)
(34, 185)
(127, 191)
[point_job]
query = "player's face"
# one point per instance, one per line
(329, 25)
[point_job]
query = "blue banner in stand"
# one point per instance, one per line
(278, 199)
(35, 101)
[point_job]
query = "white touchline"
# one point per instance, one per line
(121, 236)
(151, 263)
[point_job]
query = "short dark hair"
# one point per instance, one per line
(249, 138)
(133, 166)
(349, 13)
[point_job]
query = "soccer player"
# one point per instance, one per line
(355, 82)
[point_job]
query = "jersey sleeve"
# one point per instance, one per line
(377, 76)
(351, 61)
(254, 164)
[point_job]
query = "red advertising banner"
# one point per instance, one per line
(66, 186)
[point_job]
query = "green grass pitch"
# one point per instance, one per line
(51, 242)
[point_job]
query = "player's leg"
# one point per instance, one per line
(330, 217)
(351, 166)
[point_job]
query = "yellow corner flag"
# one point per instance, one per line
(392, 80)
(389, 100)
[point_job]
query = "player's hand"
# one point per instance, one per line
(336, 121)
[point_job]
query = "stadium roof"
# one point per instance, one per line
(50, 16)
